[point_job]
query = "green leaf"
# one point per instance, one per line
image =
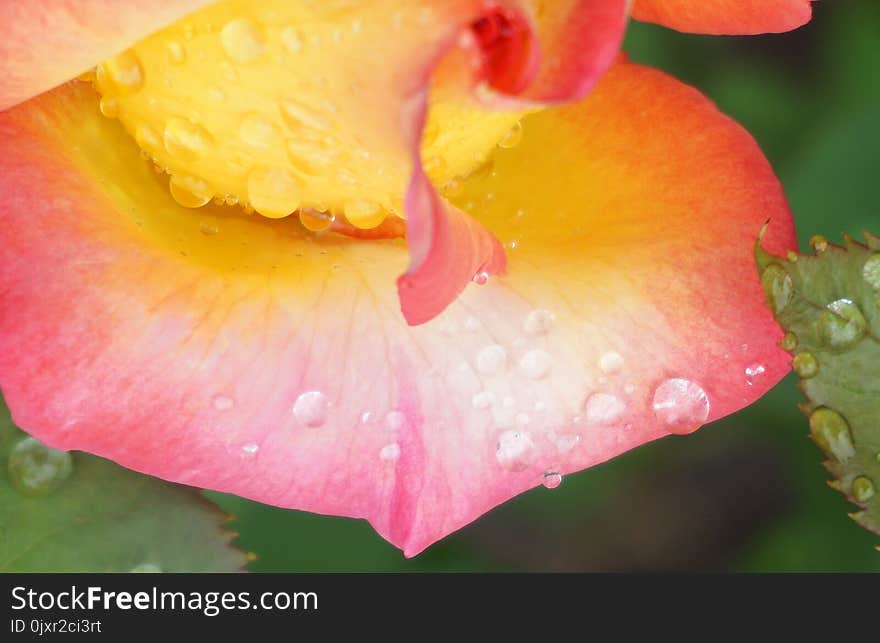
(72, 512)
(829, 304)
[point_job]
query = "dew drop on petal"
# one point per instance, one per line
(311, 408)
(243, 41)
(186, 141)
(390, 452)
(491, 359)
(831, 433)
(754, 373)
(805, 365)
(273, 192)
(551, 479)
(535, 364)
(611, 362)
(603, 408)
(249, 450)
(513, 451)
(538, 322)
(395, 421)
(481, 278)
(190, 191)
(37, 470)
(681, 405)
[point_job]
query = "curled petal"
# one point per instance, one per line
(726, 17)
(47, 42)
(239, 355)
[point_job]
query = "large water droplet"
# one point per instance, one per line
(777, 286)
(842, 324)
(243, 41)
(314, 220)
(535, 364)
(273, 192)
(611, 362)
(603, 408)
(862, 489)
(122, 74)
(257, 131)
(109, 107)
(681, 405)
(871, 271)
(514, 450)
(186, 141)
(539, 322)
(551, 479)
(754, 373)
(512, 137)
(190, 191)
(37, 470)
(831, 433)
(311, 408)
(364, 214)
(390, 452)
(491, 359)
(805, 365)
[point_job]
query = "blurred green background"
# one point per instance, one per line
(747, 493)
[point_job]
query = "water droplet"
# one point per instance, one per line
(146, 568)
(190, 191)
(512, 137)
(483, 400)
(186, 141)
(314, 220)
(223, 403)
(243, 41)
(121, 75)
(292, 40)
(611, 362)
(249, 450)
(603, 408)
(390, 452)
(535, 364)
(109, 107)
(842, 324)
(176, 52)
(831, 433)
(298, 117)
(37, 470)
(481, 278)
(789, 342)
(819, 243)
(311, 408)
(395, 421)
(208, 229)
(491, 359)
(753, 373)
(805, 365)
(777, 286)
(273, 192)
(363, 214)
(551, 479)
(871, 271)
(147, 139)
(862, 489)
(257, 131)
(681, 405)
(539, 322)
(514, 450)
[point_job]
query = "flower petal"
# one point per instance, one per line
(47, 42)
(726, 17)
(236, 354)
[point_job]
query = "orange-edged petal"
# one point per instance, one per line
(232, 353)
(726, 17)
(47, 42)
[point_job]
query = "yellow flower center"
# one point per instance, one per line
(298, 107)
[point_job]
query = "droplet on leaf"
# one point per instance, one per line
(832, 434)
(842, 324)
(805, 365)
(37, 470)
